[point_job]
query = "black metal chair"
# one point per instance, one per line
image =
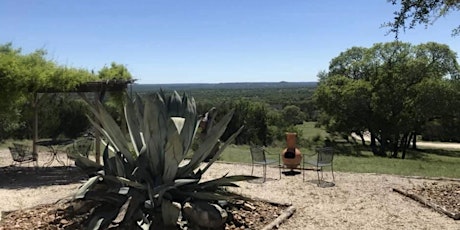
(259, 157)
(324, 157)
(22, 154)
(81, 147)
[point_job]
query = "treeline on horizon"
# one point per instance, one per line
(267, 110)
(226, 85)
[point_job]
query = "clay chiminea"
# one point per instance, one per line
(291, 155)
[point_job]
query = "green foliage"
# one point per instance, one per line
(425, 12)
(292, 115)
(152, 178)
(252, 115)
(115, 102)
(258, 107)
(117, 71)
(391, 90)
(60, 115)
(22, 76)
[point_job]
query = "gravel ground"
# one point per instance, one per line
(356, 201)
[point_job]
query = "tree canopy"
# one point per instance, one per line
(389, 90)
(22, 76)
(425, 12)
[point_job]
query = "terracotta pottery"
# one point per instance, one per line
(291, 156)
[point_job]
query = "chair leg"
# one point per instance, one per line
(279, 167)
(317, 172)
(279, 164)
(332, 169)
(303, 171)
(265, 171)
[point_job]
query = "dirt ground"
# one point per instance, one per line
(355, 201)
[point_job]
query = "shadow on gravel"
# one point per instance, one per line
(322, 184)
(30, 177)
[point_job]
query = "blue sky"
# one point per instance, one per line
(206, 41)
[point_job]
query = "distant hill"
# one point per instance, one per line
(233, 85)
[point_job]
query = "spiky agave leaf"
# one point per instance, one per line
(224, 181)
(221, 149)
(155, 131)
(162, 129)
(209, 190)
(170, 212)
(174, 105)
(110, 130)
(206, 146)
(174, 153)
(88, 166)
(83, 189)
(191, 124)
(102, 217)
(182, 110)
(109, 163)
(134, 124)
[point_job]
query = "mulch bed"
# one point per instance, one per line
(254, 214)
(442, 197)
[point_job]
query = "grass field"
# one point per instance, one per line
(427, 164)
(359, 159)
(348, 158)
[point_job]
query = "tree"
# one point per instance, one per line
(421, 12)
(10, 97)
(385, 89)
(253, 116)
(116, 71)
(23, 76)
(345, 104)
(292, 115)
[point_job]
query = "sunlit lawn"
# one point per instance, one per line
(429, 165)
(422, 162)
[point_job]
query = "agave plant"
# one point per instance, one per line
(145, 180)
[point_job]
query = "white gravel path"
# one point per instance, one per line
(357, 201)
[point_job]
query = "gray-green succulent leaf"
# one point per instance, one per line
(145, 173)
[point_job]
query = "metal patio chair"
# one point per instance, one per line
(324, 157)
(22, 154)
(259, 157)
(80, 148)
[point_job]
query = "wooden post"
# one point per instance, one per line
(97, 134)
(35, 126)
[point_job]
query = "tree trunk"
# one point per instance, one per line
(362, 138)
(397, 144)
(394, 144)
(404, 144)
(373, 145)
(378, 150)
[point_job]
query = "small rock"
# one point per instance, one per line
(249, 207)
